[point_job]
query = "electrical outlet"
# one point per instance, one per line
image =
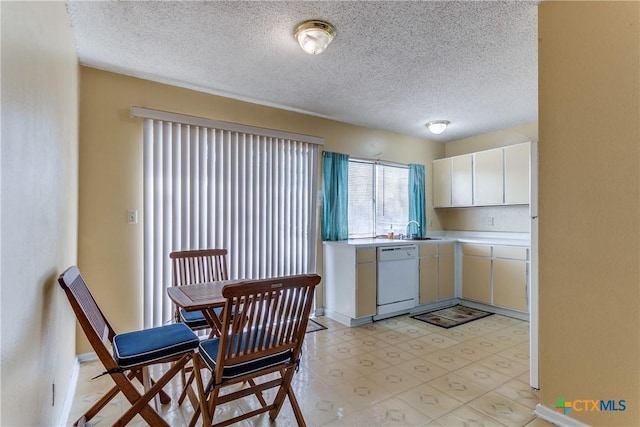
(132, 216)
(490, 221)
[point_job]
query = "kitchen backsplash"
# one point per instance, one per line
(503, 218)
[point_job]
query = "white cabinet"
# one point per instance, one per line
(488, 177)
(366, 282)
(499, 176)
(510, 277)
(496, 275)
(476, 272)
(462, 180)
(442, 182)
(446, 270)
(428, 254)
(437, 266)
(349, 282)
(516, 173)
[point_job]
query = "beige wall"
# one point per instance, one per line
(506, 218)
(487, 141)
(39, 209)
(589, 211)
(110, 250)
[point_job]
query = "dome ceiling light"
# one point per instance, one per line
(314, 36)
(437, 126)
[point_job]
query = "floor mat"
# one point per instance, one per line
(452, 316)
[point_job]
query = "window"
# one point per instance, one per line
(212, 184)
(378, 198)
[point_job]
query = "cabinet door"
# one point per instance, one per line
(446, 282)
(441, 183)
(510, 284)
(488, 177)
(476, 278)
(462, 180)
(516, 173)
(428, 279)
(366, 282)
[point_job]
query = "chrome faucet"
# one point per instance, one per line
(416, 223)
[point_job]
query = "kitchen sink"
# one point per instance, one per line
(420, 238)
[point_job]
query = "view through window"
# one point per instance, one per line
(378, 198)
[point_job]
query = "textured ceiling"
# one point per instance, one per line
(393, 65)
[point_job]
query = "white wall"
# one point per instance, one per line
(38, 233)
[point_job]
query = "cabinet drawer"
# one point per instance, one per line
(510, 252)
(366, 255)
(446, 248)
(477, 250)
(428, 250)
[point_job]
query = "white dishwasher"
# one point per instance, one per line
(397, 284)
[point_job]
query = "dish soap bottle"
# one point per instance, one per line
(390, 235)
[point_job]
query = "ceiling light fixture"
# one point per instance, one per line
(437, 126)
(314, 36)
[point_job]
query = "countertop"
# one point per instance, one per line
(505, 239)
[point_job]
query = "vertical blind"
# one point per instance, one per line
(240, 188)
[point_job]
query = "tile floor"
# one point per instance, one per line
(395, 372)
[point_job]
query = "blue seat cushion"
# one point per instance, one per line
(149, 345)
(209, 352)
(195, 319)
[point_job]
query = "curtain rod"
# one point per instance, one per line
(379, 162)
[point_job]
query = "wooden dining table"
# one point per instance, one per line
(206, 297)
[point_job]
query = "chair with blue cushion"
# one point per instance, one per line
(260, 344)
(197, 266)
(131, 355)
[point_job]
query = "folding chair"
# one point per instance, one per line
(264, 336)
(133, 353)
(197, 266)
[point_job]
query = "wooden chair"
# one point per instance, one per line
(197, 266)
(264, 336)
(133, 353)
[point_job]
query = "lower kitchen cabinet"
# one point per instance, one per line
(437, 267)
(446, 270)
(510, 277)
(428, 278)
(366, 282)
(349, 281)
(496, 275)
(476, 278)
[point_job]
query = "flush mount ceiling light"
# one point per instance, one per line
(437, 126)
(314, 36)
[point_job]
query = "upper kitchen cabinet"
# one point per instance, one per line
(516, 173)
(488, 177)
(462, 180)
(442, 182)
(499, 176)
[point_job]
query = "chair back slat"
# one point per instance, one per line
(269, 316)
(199, 266)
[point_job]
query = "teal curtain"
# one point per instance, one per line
(417, 205)
(335, 175)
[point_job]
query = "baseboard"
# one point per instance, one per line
(433, 306)
(319, 312)
(71, 392)
(346, 320)
(87, 357)
(555, 417)
(495, 310)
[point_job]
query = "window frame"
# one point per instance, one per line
(374, 200)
